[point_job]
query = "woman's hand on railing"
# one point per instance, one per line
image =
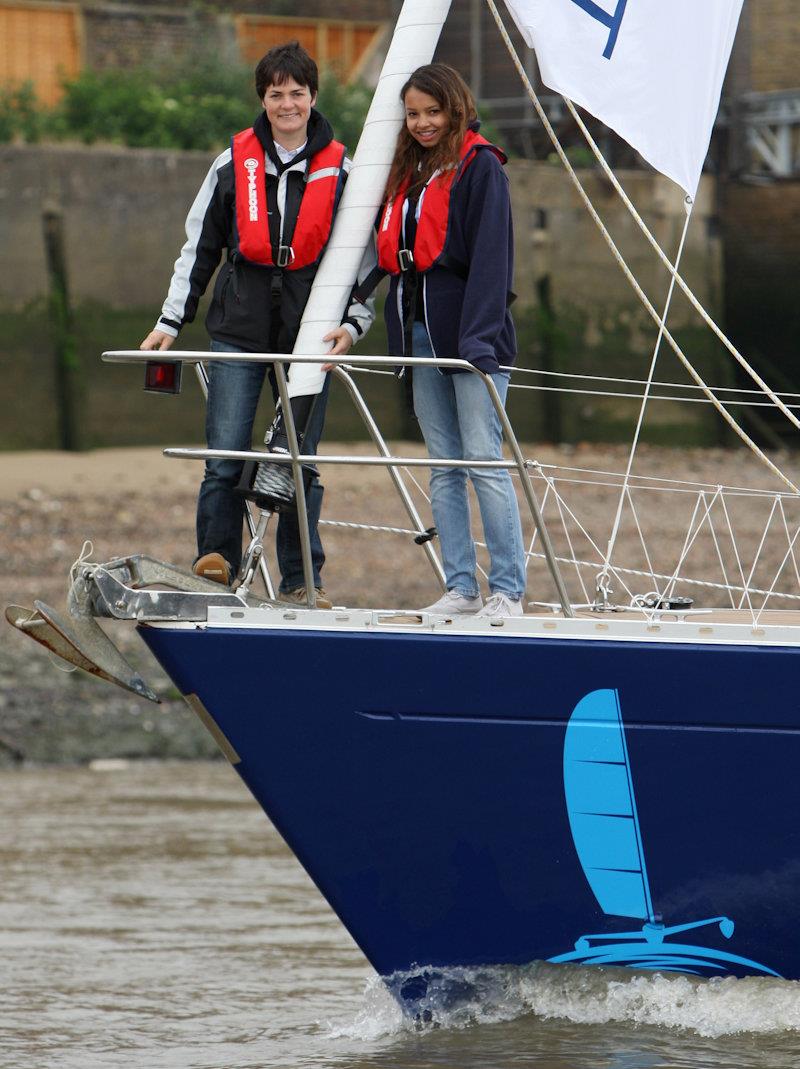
(157, 339)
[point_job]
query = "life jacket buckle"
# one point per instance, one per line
(405, 258)
(285, 255)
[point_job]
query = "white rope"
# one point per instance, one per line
(618, 571)
(369, 527)
(570, 547)
(627, 271)
(688, 542)
(409, 473)
(690, 539)
(87, 549)
(627, 381)
(790, 540)
(679, 488)
(760, 546)
(582, 529)
(721, 560)
(673, 484)
(771, 592)
(637, 397)
(642, 539)
(611, 379)
(612, 540)
(746, 594)
(705, 583)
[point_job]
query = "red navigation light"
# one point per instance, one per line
(162, 377)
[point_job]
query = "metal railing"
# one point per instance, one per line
(386, 459)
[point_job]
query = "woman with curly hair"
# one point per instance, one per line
(445, 236)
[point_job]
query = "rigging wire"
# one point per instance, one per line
(351, 369)
(629, 274)
(695, 303)
(626, 480)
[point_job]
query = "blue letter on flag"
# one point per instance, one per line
(612, 21)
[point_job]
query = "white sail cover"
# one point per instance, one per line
(650, 69)
(414, 41)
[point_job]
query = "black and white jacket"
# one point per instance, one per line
(243, 307)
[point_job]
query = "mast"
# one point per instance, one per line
(413, 44)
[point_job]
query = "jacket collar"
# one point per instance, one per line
(320, 134)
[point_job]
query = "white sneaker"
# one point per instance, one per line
(454, 604)
(501, 605)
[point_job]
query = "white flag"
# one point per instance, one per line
(650, 69)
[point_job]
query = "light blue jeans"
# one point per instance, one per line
(459, 422)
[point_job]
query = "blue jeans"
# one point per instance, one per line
(233, 393)
(459, 422)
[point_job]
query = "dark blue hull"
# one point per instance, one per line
(420, 780)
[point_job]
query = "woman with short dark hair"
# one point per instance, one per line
(249, 207)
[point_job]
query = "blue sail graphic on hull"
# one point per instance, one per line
(603, 819)
(602, 807)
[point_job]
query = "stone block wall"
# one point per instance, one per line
(116, 36)
(124, 211)
(775, 44)
(123, 215)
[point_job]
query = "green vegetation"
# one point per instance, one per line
(21, 115)
(196, 103)
(345, 107)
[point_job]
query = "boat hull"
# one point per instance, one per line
(419, 779)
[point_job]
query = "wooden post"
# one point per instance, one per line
(67, 366)
(551, 402)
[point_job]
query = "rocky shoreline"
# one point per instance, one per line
(135, 501)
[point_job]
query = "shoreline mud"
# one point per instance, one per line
(133, 500)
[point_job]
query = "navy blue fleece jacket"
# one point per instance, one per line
(469, 318)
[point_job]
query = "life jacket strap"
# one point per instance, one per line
(285, 256)
(364, 290)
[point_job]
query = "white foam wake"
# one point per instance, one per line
(458, 998)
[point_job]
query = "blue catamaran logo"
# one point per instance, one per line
(601, 805)
(613, 22)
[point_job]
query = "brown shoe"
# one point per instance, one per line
(298, 597)
(213, 566)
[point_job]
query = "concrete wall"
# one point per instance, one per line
(124, 211)
(556, 237)
(123, 219)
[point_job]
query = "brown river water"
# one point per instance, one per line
(151, 918)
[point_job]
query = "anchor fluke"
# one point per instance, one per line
(79, 641)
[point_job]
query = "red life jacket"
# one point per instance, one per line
(314, 220)
(431, 236)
